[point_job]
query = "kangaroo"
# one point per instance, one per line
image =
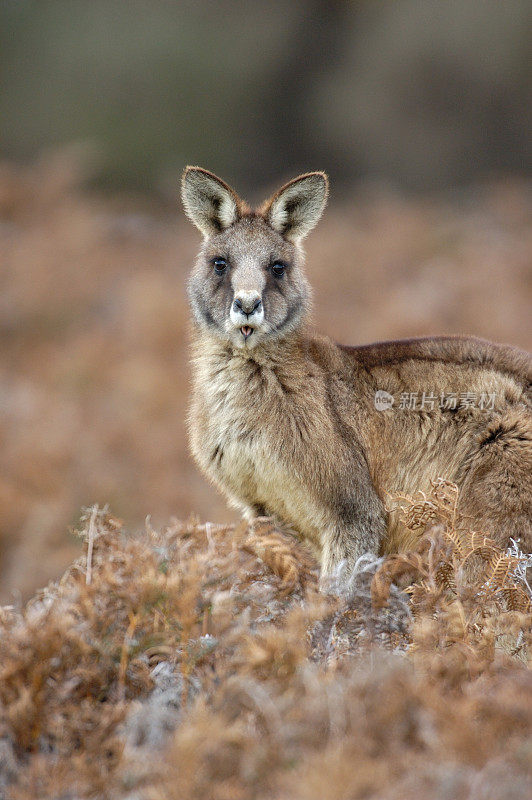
(289, 424)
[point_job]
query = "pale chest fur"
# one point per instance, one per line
(255, 443)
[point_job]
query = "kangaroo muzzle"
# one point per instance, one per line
(247, 312)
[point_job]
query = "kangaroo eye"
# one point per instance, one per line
(220, 265)
(278, 269)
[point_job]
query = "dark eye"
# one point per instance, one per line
(220, 265)
(278, 269)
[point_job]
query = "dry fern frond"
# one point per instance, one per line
(445, 494)
(475, 543)
(499, 570)
(393, 568)
(515, 598)
(415, 513)
(422, 510)
(280, 553)
(445, 576)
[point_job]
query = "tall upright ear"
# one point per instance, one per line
(209, 202)
(296, 207)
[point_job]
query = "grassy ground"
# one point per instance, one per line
(200, 661)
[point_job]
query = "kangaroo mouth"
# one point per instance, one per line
(246, 331)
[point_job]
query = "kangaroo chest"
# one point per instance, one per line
(250, 442)
(243, 437)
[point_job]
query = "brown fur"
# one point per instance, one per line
(284, 422)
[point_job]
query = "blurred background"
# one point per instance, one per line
(419, 111)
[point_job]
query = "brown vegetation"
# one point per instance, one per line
(200, 661)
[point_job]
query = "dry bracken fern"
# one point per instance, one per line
(279, 552)
(200, 661)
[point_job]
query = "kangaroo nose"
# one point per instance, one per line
(247, 305)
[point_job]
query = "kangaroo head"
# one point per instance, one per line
(248, 284)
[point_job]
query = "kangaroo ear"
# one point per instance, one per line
(296, 207)
(209, 202)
